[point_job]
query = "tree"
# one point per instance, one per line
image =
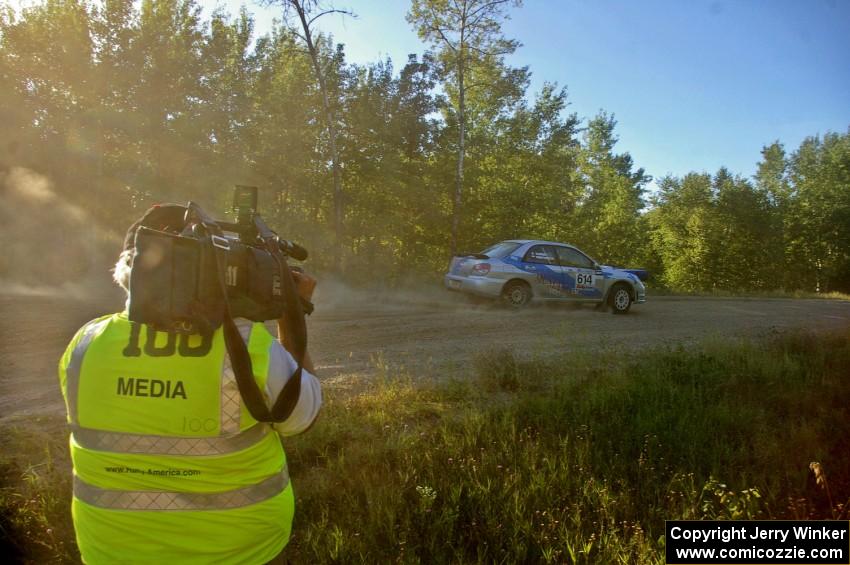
(772, 182)
(47, 61)
(522, 184)
(168, 98)
(820, 215)
(226, 104)
(282, 135)
(307, 12)
(682, 229)
(612, 196)
(743, 241)
(118, 62)
(467, 33)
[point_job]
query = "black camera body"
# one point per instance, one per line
(176, 279)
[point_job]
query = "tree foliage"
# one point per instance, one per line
(787, 229)
(123, 104)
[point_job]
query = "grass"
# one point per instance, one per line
(776, 293)
(35, 491)
(576, 460)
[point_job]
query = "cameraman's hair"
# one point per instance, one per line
(121, 271)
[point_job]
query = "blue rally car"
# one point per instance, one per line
(520, 270)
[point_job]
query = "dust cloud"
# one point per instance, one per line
(54, 249)
(50, 247)
(333, 294)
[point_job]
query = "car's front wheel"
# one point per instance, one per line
(620, 299)
(516, 294)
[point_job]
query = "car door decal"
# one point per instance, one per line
(582, 280)
(562, 281)
(549, 276)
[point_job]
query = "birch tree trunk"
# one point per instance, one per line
(330, 120)
(461, 150)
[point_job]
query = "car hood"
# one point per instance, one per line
(628, 274)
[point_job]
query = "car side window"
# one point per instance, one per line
(541, 254)
(569, 257)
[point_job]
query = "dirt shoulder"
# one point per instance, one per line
(427, 334)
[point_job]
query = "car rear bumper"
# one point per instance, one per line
(481, 286)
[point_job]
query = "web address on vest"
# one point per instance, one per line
(156, 472)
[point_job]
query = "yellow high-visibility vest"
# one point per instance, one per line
(169, 465)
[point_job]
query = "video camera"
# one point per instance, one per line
(184, 280)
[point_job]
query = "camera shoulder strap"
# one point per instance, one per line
(295, 327)
(240, 359)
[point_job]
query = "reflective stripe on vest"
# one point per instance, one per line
(118, 442)
(158, 500)
(73, 371)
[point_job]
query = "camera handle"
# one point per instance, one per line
(277, 247)
(240, 359)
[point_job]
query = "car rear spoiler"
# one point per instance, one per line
(474, 255)
(642, 274)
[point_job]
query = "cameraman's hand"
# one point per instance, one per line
(305, 284)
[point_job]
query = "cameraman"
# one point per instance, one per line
(169, 465)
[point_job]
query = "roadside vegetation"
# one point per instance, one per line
(579, 459)
(756, 294)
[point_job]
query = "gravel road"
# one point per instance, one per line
(429, 334)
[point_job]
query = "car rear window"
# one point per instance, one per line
(500, 250)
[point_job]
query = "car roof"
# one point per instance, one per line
(544, 242)
(540, 241)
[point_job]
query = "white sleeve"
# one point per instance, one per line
(281, 367)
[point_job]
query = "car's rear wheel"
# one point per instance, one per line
(620, 299)
(516, 294)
